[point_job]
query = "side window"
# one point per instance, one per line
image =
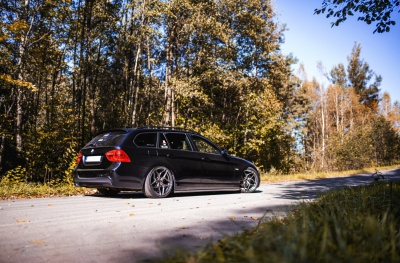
(178, 141)
(205, 146)
(146, 139)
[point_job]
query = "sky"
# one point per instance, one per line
(310, 38)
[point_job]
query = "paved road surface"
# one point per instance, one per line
(132, 228)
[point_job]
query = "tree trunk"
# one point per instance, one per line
(3, 139)
(21, 52)
(168, 90)
(136, 87)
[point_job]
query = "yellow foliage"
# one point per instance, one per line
(18, 26)
(19, 83)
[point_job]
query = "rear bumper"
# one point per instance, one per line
(105, 179)
(94, 178)
(93, 183)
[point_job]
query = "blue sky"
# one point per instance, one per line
(310, 38)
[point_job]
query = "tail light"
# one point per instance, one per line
(79, 158)
(118, 156)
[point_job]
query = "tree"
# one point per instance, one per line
(369, 11)
(360, 76)
(391, 112)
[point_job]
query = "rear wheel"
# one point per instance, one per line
(159, 182)
(251, 180)
(108, 191)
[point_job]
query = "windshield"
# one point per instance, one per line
(107, 139)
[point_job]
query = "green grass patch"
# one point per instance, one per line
(357, 224)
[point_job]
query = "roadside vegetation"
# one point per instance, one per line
(275, 177)
(352, 224)
(15, 186)
(21, 190)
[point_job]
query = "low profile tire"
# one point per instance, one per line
(108, 191)
(251, 180)
(159, 183)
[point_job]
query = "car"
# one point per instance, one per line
(160, 161)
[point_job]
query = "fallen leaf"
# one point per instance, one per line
(182, 227)
(50, 205)
(255, 217)
(38, 242)
(22, 221)
(131, 214)
(231, 217)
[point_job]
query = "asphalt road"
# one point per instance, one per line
(132, 228)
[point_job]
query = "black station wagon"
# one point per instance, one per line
(159, 162)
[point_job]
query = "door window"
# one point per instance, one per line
(205, 146)
(177, 141)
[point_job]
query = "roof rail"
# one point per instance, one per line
(166, 128)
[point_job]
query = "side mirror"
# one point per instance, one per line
(224, 152)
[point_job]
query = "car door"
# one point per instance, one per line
(177, 151)
(217, 168)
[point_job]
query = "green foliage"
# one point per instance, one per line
(359, 224)
(371, 145)
(49, 156)
(378, 12)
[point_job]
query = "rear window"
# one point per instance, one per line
(107, 139)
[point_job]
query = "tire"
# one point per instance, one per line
(108, 191)
(251, 180)
(159, 183)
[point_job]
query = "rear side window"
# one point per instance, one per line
(146, 139)
(107, 139)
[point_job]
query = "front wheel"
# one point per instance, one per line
(159, 182)
(251, 180)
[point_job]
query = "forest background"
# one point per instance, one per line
(71, 68)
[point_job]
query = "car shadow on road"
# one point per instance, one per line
(140, 195)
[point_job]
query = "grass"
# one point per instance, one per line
(358, 224)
